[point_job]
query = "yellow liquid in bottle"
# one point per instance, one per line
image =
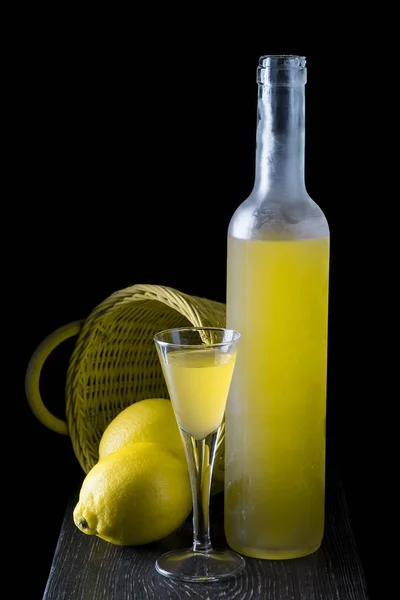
(198, 383)
(277, 298)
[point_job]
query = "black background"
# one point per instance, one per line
(132, 158)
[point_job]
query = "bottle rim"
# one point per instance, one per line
(282, 70)
(282, 61)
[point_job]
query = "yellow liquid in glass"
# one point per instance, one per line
(277, 298)
(198, 383)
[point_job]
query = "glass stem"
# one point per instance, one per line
(200, 456)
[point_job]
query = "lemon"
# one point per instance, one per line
(150, 420)
(136, 495)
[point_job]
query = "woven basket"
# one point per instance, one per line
(115, 363)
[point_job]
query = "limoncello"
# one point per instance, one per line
(275, 421)
(198, 383)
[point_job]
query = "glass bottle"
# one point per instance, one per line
(277, 298)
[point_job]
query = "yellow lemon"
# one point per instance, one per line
(136, 495)
(150, 420)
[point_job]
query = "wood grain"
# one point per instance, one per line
(87, 568)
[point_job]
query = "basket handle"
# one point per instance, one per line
(34, 369)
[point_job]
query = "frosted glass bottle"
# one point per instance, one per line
(277, 298)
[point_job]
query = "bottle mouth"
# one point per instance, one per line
(282, 61)
(282, 70)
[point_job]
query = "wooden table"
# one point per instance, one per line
(87, 568)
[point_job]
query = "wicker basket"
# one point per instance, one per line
(115, 363)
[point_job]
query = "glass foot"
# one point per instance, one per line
(188, 565)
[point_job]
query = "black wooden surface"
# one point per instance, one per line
(87, 568)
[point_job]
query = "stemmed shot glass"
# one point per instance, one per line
(198, 364)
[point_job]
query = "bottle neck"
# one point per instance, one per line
(280, 142)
